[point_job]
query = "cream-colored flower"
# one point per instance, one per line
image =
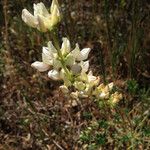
(103, 95)
(74, 95)
(29, 19)
(115, 98)
(80, 55)
(82, 94)
(50, 56)
(93, 80)
(40, 66)
(47, 56)
(54, 75)
(64, 89)
(103, 91)
(42, 19)
(65, 48)
(110, 86)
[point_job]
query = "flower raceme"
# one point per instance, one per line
(66, 64)
(72, 67)
(42, 19)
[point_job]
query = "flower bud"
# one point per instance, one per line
(63, 76)
(85, 66)
(80, 55)
(42, 23)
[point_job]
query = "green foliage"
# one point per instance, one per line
(132, 86)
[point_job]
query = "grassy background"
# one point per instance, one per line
(33, 112)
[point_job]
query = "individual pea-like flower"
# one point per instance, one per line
(115, 98)
(80, 55)
(89, 78)
(103, 91)
(54, 75)
(64, 89)
(74, 95)
(91, 82)
(49, 55)
(42, 19)
(42, 67)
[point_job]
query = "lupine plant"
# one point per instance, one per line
(71, 65)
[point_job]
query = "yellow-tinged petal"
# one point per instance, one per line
(55, 16)
(54, 3)
(65, 48)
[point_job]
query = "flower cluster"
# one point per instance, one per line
(63, 63)
(67, 64)
(42, 19)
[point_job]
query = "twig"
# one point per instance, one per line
(57, 145)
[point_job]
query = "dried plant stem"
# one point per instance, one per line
(6, 24)
(57, 145)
